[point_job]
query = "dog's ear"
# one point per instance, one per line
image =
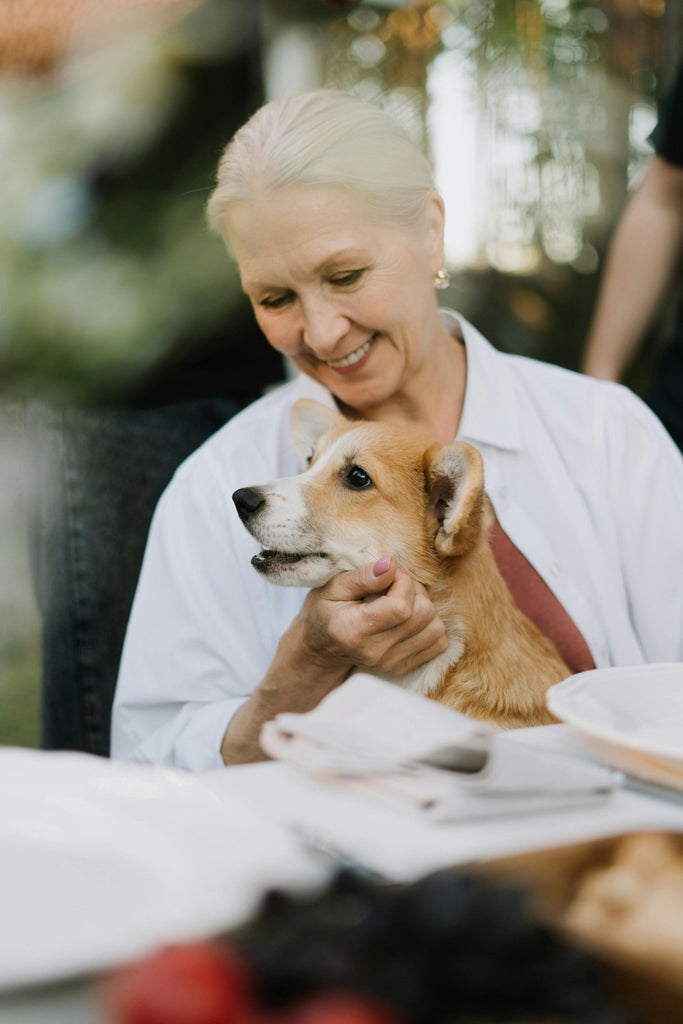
(308, 421)
(455, 478)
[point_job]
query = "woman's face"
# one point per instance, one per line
(349, 300)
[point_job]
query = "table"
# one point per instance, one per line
(334, 826)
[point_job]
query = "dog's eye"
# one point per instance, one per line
(358, 478)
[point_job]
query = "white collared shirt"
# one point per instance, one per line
(583, 479)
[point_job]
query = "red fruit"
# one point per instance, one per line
(341, 1008)
(203, 983)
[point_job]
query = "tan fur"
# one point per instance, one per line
(427, 506)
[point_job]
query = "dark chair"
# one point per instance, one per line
(98, 477)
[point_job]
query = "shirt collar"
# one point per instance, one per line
(490, 412)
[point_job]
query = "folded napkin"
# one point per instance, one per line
(381, 741)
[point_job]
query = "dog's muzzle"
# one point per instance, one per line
(248, 500)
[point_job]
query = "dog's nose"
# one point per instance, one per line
(247, 501)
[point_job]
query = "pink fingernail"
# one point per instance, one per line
(381, 565)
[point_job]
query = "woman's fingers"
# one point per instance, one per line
(405, 606)
(384, 621)
(405, 655)
(416, 637)
(358, 584)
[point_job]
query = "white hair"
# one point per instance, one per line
(327, 138)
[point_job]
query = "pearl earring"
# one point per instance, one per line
(441, 279)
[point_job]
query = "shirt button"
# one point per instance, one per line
(555, 569)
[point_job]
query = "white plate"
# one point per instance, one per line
(631, 717)
(101, 861)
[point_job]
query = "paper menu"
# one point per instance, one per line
(379, 741)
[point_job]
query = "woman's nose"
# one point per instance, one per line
(324, 326)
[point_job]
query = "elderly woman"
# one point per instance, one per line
(333, 218)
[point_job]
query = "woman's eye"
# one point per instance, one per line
(346, 279)
(275, 301)
(358, 479)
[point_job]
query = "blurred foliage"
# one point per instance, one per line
(106, 263)
(113, 291)
(535, 114)
(19, 643)
(19, 693)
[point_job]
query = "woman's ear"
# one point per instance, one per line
(308, 421)
(436, 224)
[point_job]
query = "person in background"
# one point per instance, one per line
(332, 216)
(642, 261)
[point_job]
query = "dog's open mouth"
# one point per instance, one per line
(267, 560)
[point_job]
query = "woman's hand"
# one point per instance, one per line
(374, 617)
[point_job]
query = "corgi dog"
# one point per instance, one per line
(369, 488)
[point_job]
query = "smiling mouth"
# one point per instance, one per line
(353, 357)
(267, 560)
